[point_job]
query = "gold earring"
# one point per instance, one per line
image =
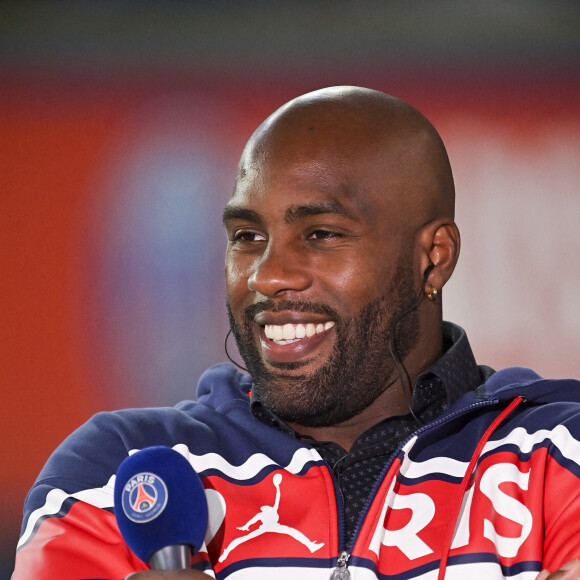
(432, 296)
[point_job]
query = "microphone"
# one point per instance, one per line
(160, 507)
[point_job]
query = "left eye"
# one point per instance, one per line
(323, 235)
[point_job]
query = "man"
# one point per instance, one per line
(365, 441)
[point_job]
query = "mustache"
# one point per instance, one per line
(297, 306)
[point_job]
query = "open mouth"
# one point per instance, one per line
(289, 333)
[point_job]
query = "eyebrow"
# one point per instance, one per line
(331, 206)
(293, 213)
(232, 212)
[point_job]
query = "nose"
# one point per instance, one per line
(280, 269)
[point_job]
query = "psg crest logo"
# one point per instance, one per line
(144, 497)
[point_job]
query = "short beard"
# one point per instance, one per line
(359, 368)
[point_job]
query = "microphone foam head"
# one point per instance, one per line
(159, 502)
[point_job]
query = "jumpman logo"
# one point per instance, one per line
(268, 516)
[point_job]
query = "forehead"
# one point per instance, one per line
(297, 178)
(292, 193)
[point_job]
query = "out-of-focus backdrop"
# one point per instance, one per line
(120, 128)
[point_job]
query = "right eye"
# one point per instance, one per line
(247, 236)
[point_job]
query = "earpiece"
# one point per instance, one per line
(428, 271)
(431, 295)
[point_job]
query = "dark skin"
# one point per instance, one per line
(333, 191)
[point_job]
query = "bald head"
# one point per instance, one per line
(373, 139)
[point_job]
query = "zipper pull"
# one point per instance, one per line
(341, 571)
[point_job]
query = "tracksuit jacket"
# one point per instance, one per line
(488, 490)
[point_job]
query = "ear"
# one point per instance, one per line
(439, 242)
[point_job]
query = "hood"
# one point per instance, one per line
(504, 385)
(514, 381)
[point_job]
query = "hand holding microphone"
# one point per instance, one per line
(161, 510)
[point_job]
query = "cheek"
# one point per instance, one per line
(355, 282)
(236, 279)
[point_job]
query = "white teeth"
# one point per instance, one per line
(288, 332)
(278, 332)
(291, 332)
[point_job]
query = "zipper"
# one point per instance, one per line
(341, 572)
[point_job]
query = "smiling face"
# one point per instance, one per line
(321, 258)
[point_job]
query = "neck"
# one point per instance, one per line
(389, 403)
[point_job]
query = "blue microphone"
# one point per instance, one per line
(160, 507)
